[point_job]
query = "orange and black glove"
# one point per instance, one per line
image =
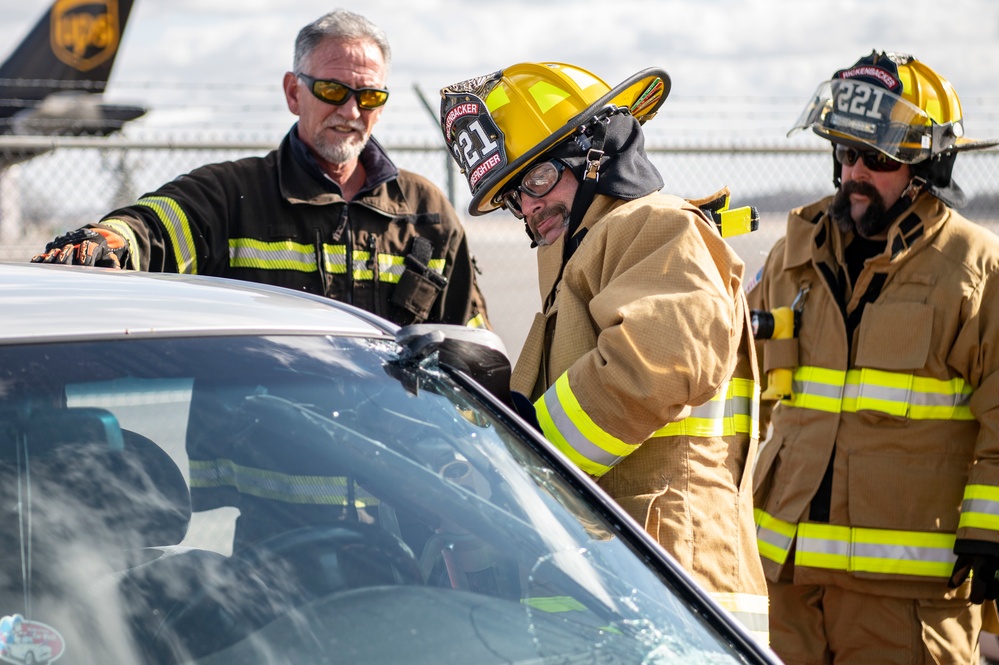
(97, 246)
(983, 569)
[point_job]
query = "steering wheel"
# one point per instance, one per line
(271, 578)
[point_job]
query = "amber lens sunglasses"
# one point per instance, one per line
(335, 92)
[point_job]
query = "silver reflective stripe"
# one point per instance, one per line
(817, 388)
(774, 538)
(572, 434)
(286, 255)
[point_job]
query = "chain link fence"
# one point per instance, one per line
(72, 181)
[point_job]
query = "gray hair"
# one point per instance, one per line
(343, 25)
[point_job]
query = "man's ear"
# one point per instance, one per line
(290, 85)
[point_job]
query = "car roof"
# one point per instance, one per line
(40, 302)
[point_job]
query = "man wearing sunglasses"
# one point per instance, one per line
(327, 212)
(877, 493)
(640, 366)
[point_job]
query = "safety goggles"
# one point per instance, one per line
(537, 182)
(335, 92)
(873, 160)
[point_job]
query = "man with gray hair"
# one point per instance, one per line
(327, 212)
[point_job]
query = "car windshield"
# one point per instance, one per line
(301, 499)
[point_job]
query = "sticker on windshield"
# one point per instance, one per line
(24, 641)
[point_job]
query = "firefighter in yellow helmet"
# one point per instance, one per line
(877, 493)
(641, 366)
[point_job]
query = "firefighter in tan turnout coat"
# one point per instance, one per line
(641, 367)
(878, 492)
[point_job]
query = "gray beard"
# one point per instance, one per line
(342, 152)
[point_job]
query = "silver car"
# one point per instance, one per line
(198, 470)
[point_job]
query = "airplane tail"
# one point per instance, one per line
(69, 52)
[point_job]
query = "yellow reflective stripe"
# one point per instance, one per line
(280, 255)
(122, 228)
(818, 389)
(898, 394)
(569, 428)
(477, 321)
(774, 537)
(751, 610)
(980, 508)
(734, 410)
(885, 551)
(390, 266)
(289, 488)
(178, 229)
(894, 393)
(554, 604)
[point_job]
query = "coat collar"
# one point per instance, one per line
(302, 181)
(811, 233)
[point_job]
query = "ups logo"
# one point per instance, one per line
(84, 33)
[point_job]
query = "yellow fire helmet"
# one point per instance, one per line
(892, 103)
(497, 125)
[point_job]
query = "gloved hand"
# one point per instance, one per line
(98, 247)
(983, 569)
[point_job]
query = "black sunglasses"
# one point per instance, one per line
(873, 160)
(335, 92)
(537, 182)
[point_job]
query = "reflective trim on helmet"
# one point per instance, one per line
(178, 229)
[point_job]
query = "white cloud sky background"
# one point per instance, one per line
(746, 65)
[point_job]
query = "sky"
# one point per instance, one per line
(738, 67)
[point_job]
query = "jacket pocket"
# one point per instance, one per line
(906, 492)
(416, 294)
(895, 335)
(664, 516)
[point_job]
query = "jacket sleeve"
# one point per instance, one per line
(665, 306)
(181, 227)
(976, 349)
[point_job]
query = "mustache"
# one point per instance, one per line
(559, 209)
(860, 187)
(356, 125)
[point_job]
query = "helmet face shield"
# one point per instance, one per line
(859, 113)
